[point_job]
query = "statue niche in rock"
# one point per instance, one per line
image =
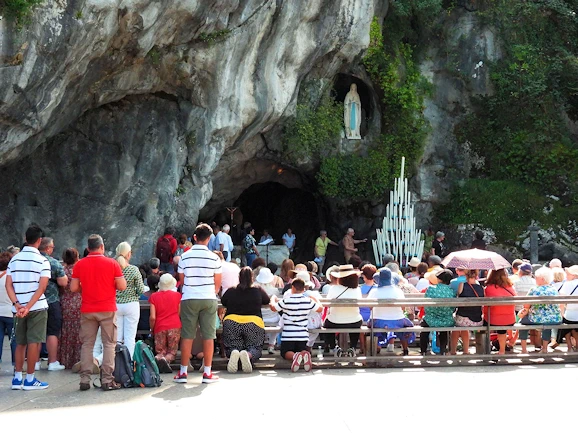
(352, 114)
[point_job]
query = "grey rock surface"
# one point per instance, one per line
(114, 117)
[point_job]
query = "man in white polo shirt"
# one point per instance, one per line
(200, 277)
(26, 280)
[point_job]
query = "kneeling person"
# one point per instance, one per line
(296, 309)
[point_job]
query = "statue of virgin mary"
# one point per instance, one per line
(352, 113)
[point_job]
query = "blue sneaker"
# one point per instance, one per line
(16, 384)
(34, 385)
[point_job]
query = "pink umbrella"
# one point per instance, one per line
(475, 259)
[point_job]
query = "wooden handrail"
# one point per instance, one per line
(442, 302)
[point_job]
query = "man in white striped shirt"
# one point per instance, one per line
(200, 277)
(26, 280)
(296, 309)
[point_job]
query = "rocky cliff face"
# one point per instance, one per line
(114, 115)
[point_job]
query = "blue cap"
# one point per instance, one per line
(383, 278)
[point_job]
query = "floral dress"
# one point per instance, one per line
(544, 313)
(69, 349)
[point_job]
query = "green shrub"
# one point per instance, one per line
(314, 130)
(506, 206)
(18, 10)
(521, 129)
(392, 67)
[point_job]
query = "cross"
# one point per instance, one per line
(232, 212)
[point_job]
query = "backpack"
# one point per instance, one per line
(164, 250)
(146, 372)
(180, 251)
(123, 367)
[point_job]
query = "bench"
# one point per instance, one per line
(418, 300)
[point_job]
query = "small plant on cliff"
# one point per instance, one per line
(154, 55)
(214, 37)
(18, 10)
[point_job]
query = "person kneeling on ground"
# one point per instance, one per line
(243, 326)
(165, 322)
(296, 309)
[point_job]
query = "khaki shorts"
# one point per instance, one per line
(32, 328)
(201, 312)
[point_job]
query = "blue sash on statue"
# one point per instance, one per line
(352, 122)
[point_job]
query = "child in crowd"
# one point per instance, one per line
(165, 321)
(315, 321)
(296, 310)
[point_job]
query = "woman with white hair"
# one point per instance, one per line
(127, 301)
(165, 321)
(544, 314)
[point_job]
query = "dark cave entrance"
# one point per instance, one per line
(275, 207)
(341, 87)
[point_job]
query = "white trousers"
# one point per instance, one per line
(98, 350)
(127, 316)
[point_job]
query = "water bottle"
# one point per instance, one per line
(320, 353)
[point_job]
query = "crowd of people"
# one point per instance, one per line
(79, 309)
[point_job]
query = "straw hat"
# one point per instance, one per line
(298, 268)
(345, 271)
(167, 282)
(573, 270)
(414, 262)
(265, 276)
(304, 275)
(331, 269)
(431, 277)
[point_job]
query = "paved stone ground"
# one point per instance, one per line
(484, 398)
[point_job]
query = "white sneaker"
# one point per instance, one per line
(390, 348)
(55, 366)
(271, 350)
(233, 364)
(245, 362)
(37, 366)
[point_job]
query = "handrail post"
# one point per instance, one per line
(371, 348)
(488, 339)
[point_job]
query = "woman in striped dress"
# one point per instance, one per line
(127, 301)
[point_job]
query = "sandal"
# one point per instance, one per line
(111, 386)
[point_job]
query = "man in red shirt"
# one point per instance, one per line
(97, 278)
(166, 249)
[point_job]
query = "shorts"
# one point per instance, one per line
(202, 312)
(466, 321)
(383, 338)
(54, 322)
(563, 332)
(32, 328)
(292, 346)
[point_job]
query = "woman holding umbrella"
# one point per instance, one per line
(467, 316)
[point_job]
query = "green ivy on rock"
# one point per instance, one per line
(18, 10)
(391, 65)
(522, 128)
(314, 130)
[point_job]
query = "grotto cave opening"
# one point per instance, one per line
(276, 207)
